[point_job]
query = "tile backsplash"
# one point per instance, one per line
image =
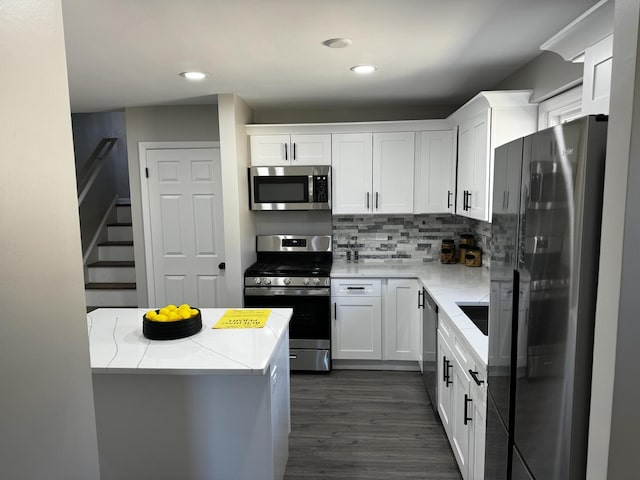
(403, 238)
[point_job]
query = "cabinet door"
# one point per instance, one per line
(352, 173)
(473, 167)
(269, 150)
(596, 90)
(311, 149)
(477, 431)
(445, 384)
(393, 163)
(434, 188)
(401, 320)
(357, 328)
(461, 413)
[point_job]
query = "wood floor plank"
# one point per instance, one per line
(374, 425)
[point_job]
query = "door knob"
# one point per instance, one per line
(222, 265)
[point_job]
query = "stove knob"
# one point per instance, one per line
(257, 281)
(267, 281)
(287, 281)
(306, 281)
(316, 281)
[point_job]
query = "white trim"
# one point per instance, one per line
(586, 30)
(96, 235)
(561, 108)
(346, 127)
(143, 147)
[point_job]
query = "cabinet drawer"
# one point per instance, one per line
(356, 287)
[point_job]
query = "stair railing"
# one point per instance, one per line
(92, 168)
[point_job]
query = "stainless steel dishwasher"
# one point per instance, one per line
(429, 347)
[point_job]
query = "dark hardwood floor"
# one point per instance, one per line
(352, 424)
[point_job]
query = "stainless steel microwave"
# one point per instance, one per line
(290, 188)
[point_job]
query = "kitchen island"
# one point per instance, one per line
(211, 406)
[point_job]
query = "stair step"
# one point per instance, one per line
(110, 286)
(120, 232)
(116, 243)
(123, 212)
(112, 263)
(120, 224)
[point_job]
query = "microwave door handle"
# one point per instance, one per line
(286, 152)
(294, 152)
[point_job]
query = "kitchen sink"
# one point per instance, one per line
(479, 315)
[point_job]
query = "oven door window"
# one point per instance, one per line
(289, 189)
(311, 314)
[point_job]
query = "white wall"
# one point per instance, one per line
(160, 124)
(613, 452)
(239, 221)
(47, 422)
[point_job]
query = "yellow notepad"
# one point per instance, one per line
(243, 319)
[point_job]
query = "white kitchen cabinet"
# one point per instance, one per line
(352, 155)
(284, 149)
(401, 322)
(487, 121)
(445, 382)
(462, 399)
(373, 172)
(356, 332)
(435, 172)
(596, 80)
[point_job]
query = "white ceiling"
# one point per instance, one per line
(125, 53)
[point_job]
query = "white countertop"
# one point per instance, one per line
(117, 345)
(446, 284)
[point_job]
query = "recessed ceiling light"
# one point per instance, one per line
(364, 69)
(340, 42)
(193, 75)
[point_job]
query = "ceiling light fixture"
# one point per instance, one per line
(340, 42)
(364, 69)
(193, 75)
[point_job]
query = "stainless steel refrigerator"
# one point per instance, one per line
(547, 209)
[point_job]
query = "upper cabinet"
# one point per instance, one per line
(596, 83)
(435, 172)
(284, 149)
(487, 121)
(373, 172)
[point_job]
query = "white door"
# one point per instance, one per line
(401, 322)
(268, 150)
(357, 328)
(434, 172)
(186, 226)
(311, 149)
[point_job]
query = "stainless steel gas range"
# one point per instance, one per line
(294, 271)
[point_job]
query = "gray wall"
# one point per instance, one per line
(548, 74)
(47, 421)
(160, 124)
(88, 130)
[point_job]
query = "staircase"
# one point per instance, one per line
(111, 279)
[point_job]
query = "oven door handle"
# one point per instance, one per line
(290, 292)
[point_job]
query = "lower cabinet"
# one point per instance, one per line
(356, 332)
(462, 402)
(375, 319)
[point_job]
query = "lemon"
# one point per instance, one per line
(162, 318)
(184, 314)
(184, 306)
(164, 311)
(194, 312)
(151, 315)
(171, 307)
(173, 316)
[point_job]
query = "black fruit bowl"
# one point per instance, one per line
(171, 330)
